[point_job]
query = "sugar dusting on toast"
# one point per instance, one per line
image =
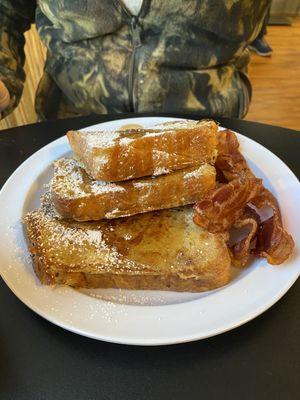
(69, 180)
(77, 238)
(155, 245)
(179, 124)
(109, 138)
(100, 139)
(196, 173)
(160, 171)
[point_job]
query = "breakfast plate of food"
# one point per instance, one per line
(150, 231)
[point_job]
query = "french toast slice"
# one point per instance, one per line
(161, 250)
(121, 155)
(76, 195)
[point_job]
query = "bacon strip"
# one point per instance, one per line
(240, 251)
(227, 206)
(230, 160)
(273, 242)
(220, 209)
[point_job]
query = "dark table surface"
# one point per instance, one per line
(38, 360)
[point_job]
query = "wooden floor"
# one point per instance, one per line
(275, 80)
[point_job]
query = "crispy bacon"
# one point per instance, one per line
(273, 242)
(230, 161)
(222, 207)
(229, 206)
(241, 250)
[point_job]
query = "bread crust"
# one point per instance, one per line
(155, 251)
(122, 155)
(76, 195)
(169, 282)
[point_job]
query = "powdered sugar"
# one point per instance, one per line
(160, 155)
(101, 160)
(71, 180)
(94, 237)
(99, 187)
(113, 213)
(180, 124)
(196, 173)
(125, 141)
(102, 139)
(107, 139)
(117, 155)
(67, 177)
(142, 184)
(160, 171)
(67, 240)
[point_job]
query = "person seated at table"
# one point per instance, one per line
(142, 56)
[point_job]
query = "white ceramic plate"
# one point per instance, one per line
(144, 317)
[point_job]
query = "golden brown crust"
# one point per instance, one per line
(75, 195)
(123, 155)
(170, 282)
(162, 251)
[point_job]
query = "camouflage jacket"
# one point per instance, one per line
(174, 56)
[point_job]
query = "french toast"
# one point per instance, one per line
(121, 155)
(161, 250)
(76, 195)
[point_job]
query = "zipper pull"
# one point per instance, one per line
(135, 32)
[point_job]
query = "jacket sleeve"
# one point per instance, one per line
(15, 18)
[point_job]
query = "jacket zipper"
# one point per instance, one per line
(136, 43)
